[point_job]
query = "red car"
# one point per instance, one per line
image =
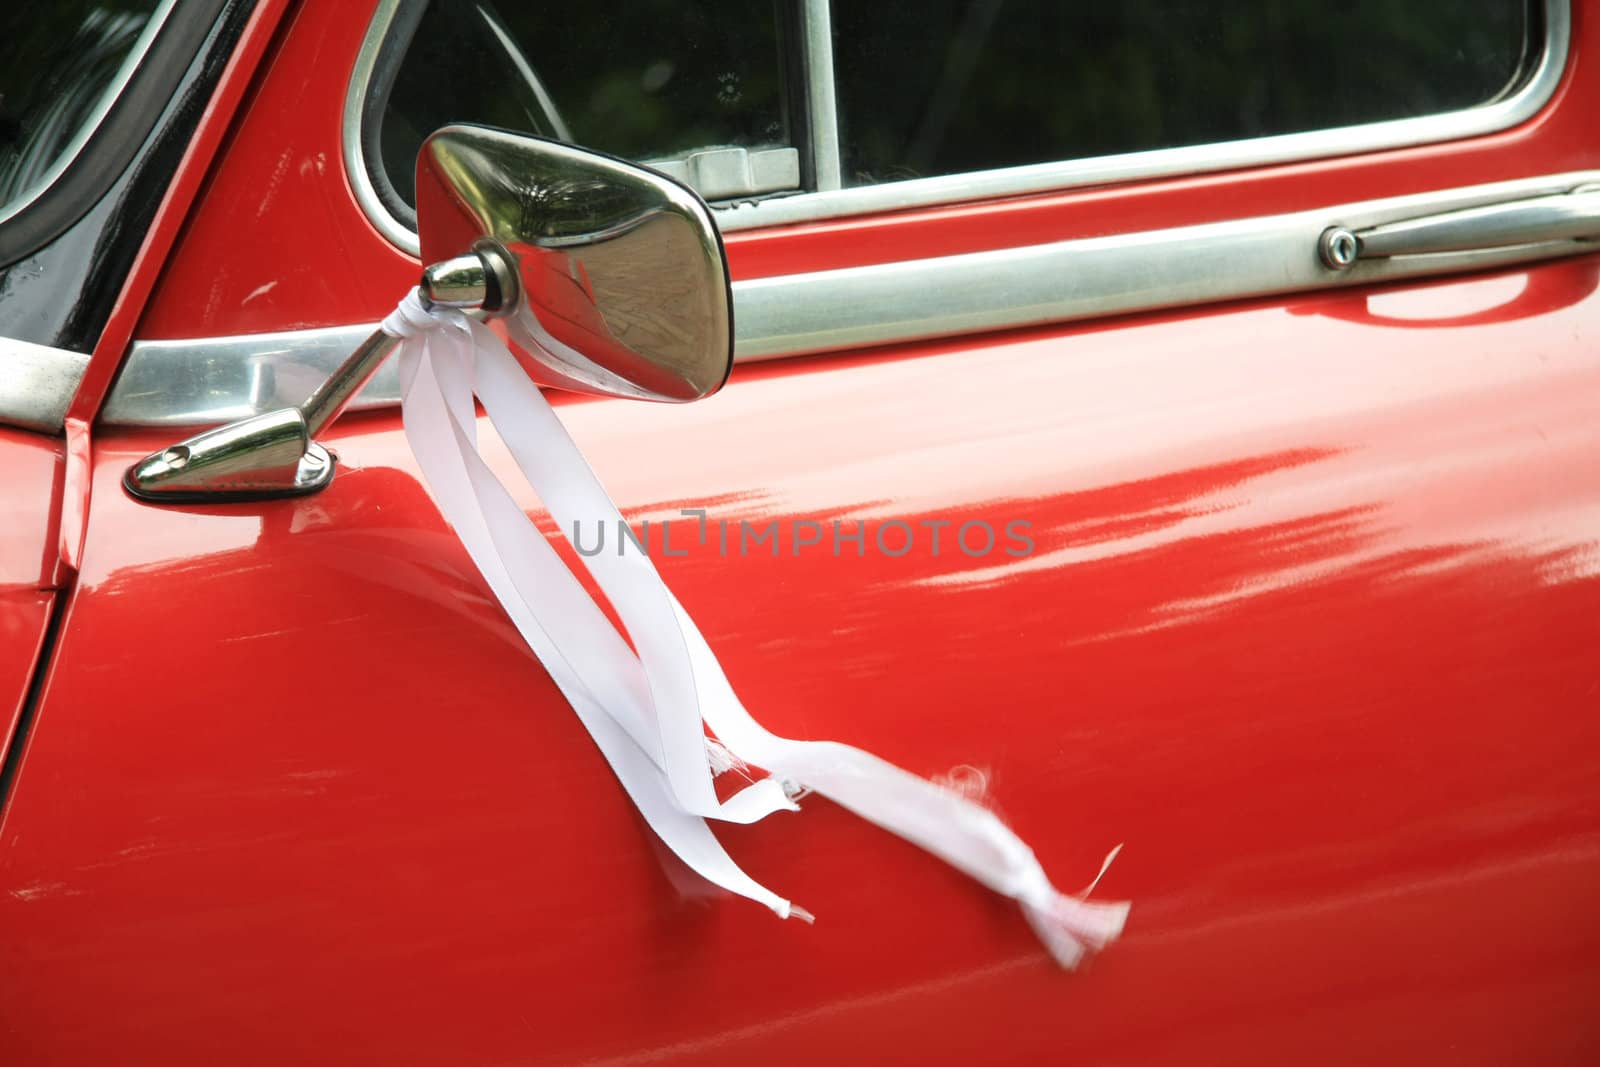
(1245, 357)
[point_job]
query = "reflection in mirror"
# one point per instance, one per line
(622, 286)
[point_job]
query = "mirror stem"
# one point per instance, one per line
(466, 282)
(275, 454)
(334, 395)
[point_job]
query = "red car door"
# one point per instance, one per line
(1300, 608)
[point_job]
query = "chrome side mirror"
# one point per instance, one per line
(608, 277)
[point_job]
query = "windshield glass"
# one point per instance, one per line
(62, 64)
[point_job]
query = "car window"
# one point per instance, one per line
(725, 95)
(60, 64)
(946, 86)
(653, 80)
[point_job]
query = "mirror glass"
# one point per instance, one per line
(624, 288)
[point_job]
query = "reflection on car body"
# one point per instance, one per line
(1307, 619)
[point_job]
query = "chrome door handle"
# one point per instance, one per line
(1558, 217)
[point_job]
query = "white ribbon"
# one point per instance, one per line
(648, 712)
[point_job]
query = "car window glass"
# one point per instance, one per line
(59, 62)
(644, 80)
(947, 86)
(939, 87)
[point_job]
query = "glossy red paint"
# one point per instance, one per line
(24, 623)
(72, 508)
(1310, 625)
(277, 185)
(30, 492)
(31, 467)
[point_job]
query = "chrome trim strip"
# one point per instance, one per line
(102, 108)
(1041, 177)
(822, 108)
(355, 166)
(37, 384)
(181, 383)
(1093, 277)
(218, 379)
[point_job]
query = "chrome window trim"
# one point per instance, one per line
(823, 120)
(208, 380)
(1520, 106)
(355, 164)
(136, 56)
(37, 384)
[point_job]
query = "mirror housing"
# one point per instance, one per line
(622, 284)
(609, 277)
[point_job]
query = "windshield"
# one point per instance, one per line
(62, 64)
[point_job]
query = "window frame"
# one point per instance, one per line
(830, 201)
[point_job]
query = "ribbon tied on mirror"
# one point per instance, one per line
(649, 710)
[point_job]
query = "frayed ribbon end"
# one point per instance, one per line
(1073, 927)
(795, 911)
(1070, 928)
